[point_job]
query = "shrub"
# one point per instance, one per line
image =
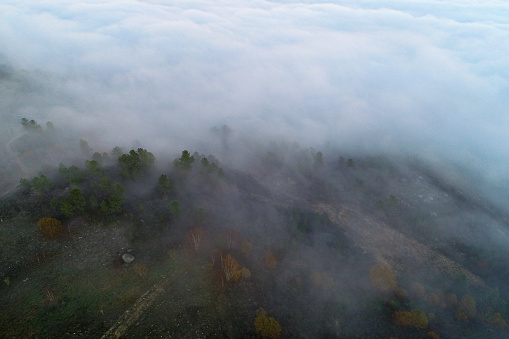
(140, 270)
(322, 280)
(245, 273)
(266, 326)
(467, 308)
(416, 318)
(498, 321)
(383, 278)
(418, 290)
(451, 300)
(50, 227)
(269, 260)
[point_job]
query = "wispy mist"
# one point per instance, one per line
(426, 78)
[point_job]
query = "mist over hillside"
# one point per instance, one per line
(261, 240)
(344, 173)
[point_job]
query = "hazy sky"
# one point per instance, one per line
(429, 77)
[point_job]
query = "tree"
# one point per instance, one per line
(41, 183)
(25, 183)
(85, 148)
(93, 202)
(185, 161)
(119, 191)
(116, 152)
(135, 162)
(318, 158)
(50, 227)
(115, 204)
(66, 207)
(196, 237)
(174, 207)
(49, 126)
(164, 185)
(31, 125)
(77, 200)
(93, 166)
(231, 269)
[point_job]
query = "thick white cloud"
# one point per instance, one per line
(429, 77)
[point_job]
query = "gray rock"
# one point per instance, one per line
(128, 258)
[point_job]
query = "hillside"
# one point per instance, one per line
(278, 241)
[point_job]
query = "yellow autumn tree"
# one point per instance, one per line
(230, 267)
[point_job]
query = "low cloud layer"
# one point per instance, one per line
(423, 77)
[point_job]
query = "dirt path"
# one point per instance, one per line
(132, 314)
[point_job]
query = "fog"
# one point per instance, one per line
(428, 78)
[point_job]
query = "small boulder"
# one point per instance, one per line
(128, 258)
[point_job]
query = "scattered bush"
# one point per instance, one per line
(322, 280)
(415, 318)
(418, 290)
(140, 270)
(266, 326)
(467, 308)
(451, 300)
(382, 277)
(434, 298)
(245, 273)
(269, 260)
(498, 321)
(50, 227)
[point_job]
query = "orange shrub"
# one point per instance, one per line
(50, 227)
(433, 335)
(383, 278)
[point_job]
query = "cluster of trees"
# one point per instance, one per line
(135, 163)
(32, 125)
